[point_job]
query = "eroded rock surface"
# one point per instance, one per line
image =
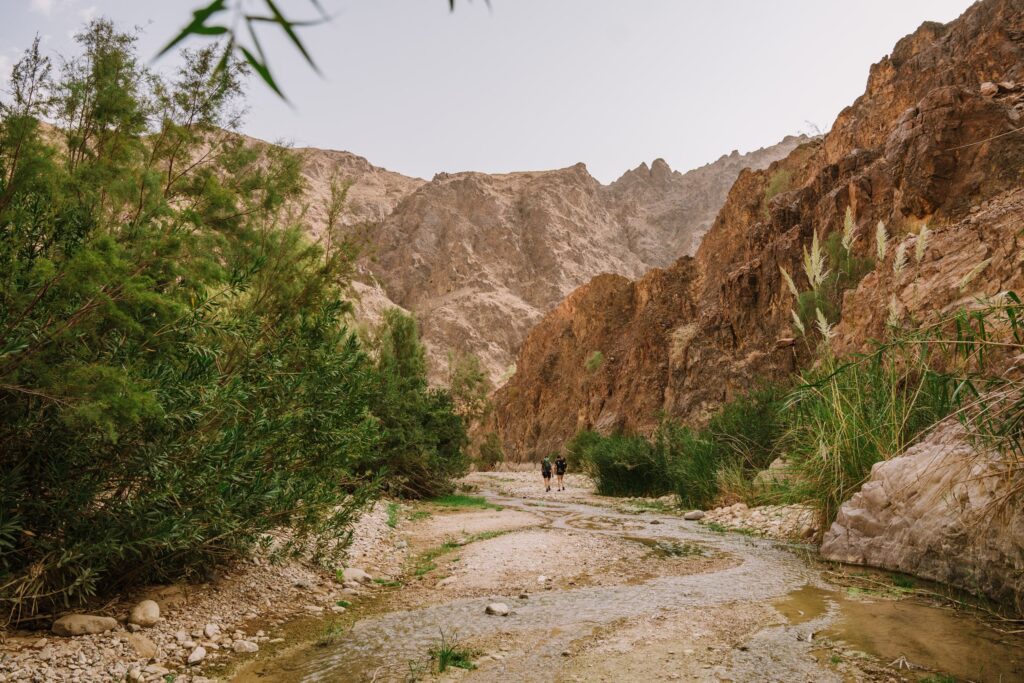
(480, 258)
(935, 512)
(923, 145)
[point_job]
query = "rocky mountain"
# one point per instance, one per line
(935, 139)
(480, 258)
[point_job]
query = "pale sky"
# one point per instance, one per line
(537, 84)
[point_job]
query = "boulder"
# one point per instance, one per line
(778, 471)
(244, 646)
(934, 512)
(145, 613)
(211, 631)
(143, 646)
(498, 609)
(988, 89)
(694, 515)
(83, 624)
(356, 574)
(197, 655)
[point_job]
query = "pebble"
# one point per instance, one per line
(197, 655)
(498, 609)
(245, 646)
(355, 574)
(211, 631)
(694, 515)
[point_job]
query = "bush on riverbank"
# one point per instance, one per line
(176, 373)
(681, 460)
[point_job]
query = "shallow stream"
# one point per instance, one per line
(910, 637)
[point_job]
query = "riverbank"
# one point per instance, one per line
(237, 611)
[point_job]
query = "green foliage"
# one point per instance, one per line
(491, 452)
(393, 510)
(176, 376)
(423, 439)
(778, 183)
(621, 465)
(845, 270)
(470, 387)
(594, 361)
(682, 460)
(221, 21)
(462, 501)
(448, 654)
(847, 415)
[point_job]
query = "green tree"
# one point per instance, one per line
(470, 387)
(424, 440)
(490, 452)
(175, 374)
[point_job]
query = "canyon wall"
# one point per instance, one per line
(480, 258)
(933, 140)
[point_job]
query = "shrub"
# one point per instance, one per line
(490, 452)
(678, 459)
(594, 361)
(176, 375)
(778, 183)
(621, 465)
(423, 439)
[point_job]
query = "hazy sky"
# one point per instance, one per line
(536, 84)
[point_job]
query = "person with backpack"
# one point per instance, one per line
(560, 467)
(545, 471)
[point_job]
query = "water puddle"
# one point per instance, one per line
(927, 636)
(910, 635)
(803, 605)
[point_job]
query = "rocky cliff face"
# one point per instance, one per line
(927, 143)
(479, 258)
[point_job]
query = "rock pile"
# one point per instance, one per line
(783, 522)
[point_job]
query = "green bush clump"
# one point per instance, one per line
(423, 440)
(491, 453)
(621, 465)
(850, 413)
(778, 183)
(681, 460)
(176, 373)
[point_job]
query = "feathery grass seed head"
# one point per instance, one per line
(823, 325)
(921, 244)
(849, 230)
(881, 241)
(789, 281)
(814, 263)
(973, 273)
(899, 262)
(797, 323)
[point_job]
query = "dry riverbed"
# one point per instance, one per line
(586, 588)
(600, 589)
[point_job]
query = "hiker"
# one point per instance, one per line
(560, 465)
(545, 470)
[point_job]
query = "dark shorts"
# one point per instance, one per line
(547, 475)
